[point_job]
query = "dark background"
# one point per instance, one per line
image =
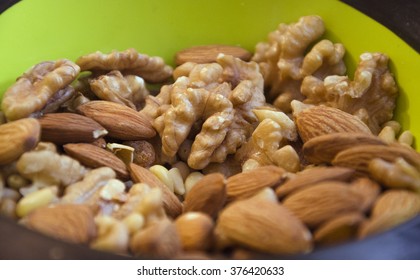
(403, 242)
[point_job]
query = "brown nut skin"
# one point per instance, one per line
(195, 231)
(18, 137)
(207, 196)
(159, 240)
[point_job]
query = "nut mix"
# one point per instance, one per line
(239, 155)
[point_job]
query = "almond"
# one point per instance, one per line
(195, 231)
(18, 137)
(339, 229)
(207, 196)
(171, 203)
(246, 184)
(395, 200)
(63, 128)
(264, 226)
(321, 202)
(320, 120)
(94, 157)
(322, 149)
(121, 121)
(368, 189)
(70, 222)
(359, 157)
(209, 53)
(392, 208)
(311, 176)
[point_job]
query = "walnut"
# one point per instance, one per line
(35, 87)
(371, 95)
(264, 147)
(284, 61)
(129, 90)
(144, 200)
(212, 104)
(87, 190)
(113, 235)
(47, 168)
(396, 174)
(151, 69)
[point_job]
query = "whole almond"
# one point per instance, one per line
(369, 191)
(359, 157)
(264, 226)
(120, 121)
(395, 200)
(247, 184)
(94, 157)
(18, 137)
(322, 149)
(392, 208)
(207, 196)
(209, 53)
(63, 128)
(321, 202)
(320, 120)
(339, 229)
(70, 222)
(195, 231)
(311, 176)
(171, 203)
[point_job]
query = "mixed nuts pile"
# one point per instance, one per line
(236, 155)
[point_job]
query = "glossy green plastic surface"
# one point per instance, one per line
(38, 30)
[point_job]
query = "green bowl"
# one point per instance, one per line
(39, 30)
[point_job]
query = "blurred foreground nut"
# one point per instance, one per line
(207, 196)
(18, 137)
(391, 209)
(70, 222)
(368, 190)
(339, 229)
(35, 200)
(171, 203)
(264, 226)
(45, 167)
(195, 231)
(36, 86)
(112, 235)
(159, 240)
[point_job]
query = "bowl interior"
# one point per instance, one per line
(38, 30)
